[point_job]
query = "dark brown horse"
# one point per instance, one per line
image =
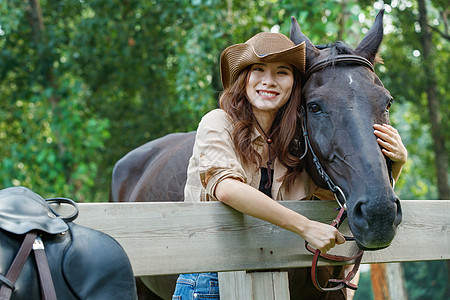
(343, 98)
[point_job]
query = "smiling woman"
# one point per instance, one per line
(241, 155)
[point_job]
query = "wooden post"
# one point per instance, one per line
(396, 281)
(270, 285)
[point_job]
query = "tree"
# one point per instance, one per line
(422, 95)
(431, 89)
(47, 131)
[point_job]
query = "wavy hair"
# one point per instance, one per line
(233, 100)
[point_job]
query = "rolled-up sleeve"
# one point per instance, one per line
(215, 152)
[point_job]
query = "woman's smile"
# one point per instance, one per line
(268, 94)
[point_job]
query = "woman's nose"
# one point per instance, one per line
(269, 80)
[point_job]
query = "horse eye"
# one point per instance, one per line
(389, 104)
(314, 108)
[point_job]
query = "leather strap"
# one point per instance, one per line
(45, 277)
(340, 283)
(17, 264)
(31, 241)
(344, 58)
(6, 281)
(60, 201)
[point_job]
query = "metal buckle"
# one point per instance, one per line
(38, 244)
(344, 206)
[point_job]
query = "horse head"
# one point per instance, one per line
(343, 98)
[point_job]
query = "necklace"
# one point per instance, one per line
(268, 140)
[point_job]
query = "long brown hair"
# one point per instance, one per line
(233, 100)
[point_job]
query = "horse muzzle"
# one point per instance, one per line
(374, 222)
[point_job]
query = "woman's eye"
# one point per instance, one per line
(314, 108)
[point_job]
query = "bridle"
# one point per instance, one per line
(337, 191)
(342, 214)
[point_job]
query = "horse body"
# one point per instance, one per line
(155, 171)
(342, 102)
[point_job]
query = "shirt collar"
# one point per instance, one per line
(257, 137)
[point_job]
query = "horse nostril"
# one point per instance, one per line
(358, 215)
(398, 217)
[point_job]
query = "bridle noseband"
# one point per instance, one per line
(337, 191)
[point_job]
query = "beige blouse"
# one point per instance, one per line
(214, 158)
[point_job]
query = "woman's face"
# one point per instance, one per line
(269, 86)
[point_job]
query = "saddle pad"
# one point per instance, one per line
(22, 210)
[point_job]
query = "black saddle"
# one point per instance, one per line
(70, 261)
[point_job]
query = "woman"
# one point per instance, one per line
(241, 154)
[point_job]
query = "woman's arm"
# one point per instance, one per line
(250, 201)
(392, 146)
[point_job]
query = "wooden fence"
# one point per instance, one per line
(173, 238)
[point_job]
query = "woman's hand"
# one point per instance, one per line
(390, 140)
(322, 236)
(392, 146)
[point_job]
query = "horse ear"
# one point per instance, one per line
(369, 45)
(298, 37)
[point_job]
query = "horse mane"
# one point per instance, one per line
(340, 48)
(337, 48)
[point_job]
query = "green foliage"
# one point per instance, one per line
(426, 280)
(403, 75)
(364, 291)
(49, 148)
(150, 68)
(142, 69)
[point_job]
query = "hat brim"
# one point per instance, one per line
(237, 57)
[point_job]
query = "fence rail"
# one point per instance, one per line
(172, 238)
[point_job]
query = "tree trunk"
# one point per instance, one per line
(378, 277)
(388, 282)
(34, 15)
(35, 19)
(441, 159)
(342, 20)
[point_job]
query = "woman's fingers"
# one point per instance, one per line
(340, 239)
(391, 142)
(324, 237)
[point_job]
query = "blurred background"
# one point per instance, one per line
(82, 82)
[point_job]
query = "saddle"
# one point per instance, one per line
(70, 261)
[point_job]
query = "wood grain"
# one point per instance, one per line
(173, 238)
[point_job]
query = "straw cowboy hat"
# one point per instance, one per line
(262, 48)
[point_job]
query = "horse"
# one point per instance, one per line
(342, 99)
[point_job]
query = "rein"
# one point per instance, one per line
(337, 191)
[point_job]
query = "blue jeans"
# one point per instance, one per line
(197, 286)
